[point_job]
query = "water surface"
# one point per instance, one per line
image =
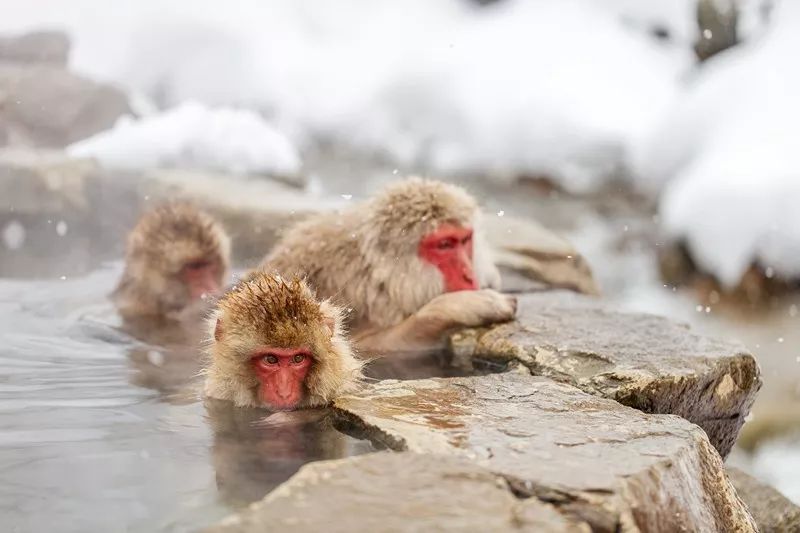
(102, 432)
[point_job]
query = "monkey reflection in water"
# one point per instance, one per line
(253, 453)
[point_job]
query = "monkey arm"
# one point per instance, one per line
(427, 329)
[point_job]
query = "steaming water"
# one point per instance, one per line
(103, 433)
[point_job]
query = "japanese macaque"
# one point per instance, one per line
(176, 256)
(276, 346)
(412, 263)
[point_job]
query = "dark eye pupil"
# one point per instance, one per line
(299, 358)
(271, 359)
(197, 265)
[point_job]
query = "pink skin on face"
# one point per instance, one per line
(449, 248)
(202, 277)
(281, 373)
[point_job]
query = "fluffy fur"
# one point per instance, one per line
(267, 310)
(162, 242)
(366, 256)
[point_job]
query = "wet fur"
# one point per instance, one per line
(366, 256)
(162, 242)
(267, 310)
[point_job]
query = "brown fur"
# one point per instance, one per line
(162, 242)
(366, 256)
(267, 310)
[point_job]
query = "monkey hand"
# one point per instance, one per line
(469, 309)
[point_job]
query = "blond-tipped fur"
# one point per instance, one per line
(366, 256)
(162, 242)
(268, 310)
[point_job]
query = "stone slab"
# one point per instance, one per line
(398, 492)
(772, 511)
(640, 360)
(595, 460)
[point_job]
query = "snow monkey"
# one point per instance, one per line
(176, 255)
(412, 263)
(276, 346)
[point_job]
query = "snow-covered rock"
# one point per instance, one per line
(729, 161)
(555, 88)
(197, 137)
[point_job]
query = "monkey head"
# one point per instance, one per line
(175, 256)
(422, 238)
(275, 345)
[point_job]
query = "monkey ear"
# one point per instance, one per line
(218, 330)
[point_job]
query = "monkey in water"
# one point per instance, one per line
(412, 263)
(176, 256)
(274, 345)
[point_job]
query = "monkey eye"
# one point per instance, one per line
(197, 265)
(446, 244)
(270, 359)
(299, 358)
(466, 239)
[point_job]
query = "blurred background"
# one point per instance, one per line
(659, 138)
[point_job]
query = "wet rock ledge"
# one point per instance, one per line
(506, 452)
(642, 361)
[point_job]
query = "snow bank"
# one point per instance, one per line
(541, 88)
(730, 160)
(558, 88)
(194, 136)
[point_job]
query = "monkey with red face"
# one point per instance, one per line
(276, 346)
(412, 263)
(176, 255)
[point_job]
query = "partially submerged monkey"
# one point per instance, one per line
(275, 345)
(412, 263)
(176, 255)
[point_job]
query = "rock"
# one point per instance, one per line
(253, 211)
(37, 185)
(40, 182)
(396, 492)
(757, 289)
(772, 511)
(47, 106)
(49, 47)
(642, 361)
(531, 257)
(52, 206)
(595, 460)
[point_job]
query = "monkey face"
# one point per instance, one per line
(449, 249)
(202, 277)
(281, 374)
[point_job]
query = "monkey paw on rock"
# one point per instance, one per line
(470, 308)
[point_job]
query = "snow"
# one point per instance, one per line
(194, 136)
(563, 89)
(778, 463)
(727, 158)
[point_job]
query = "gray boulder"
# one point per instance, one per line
(48, 47)
(642, 361)
(396, 492)
(47, 106)
(772, 511)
